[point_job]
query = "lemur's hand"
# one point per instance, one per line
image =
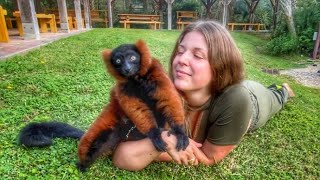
(187, 156)
(182, 138)
(155, 135)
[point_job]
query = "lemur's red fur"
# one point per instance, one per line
(169, 101)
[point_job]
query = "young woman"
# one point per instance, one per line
(207, 69)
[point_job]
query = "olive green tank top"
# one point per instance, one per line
(223, 120)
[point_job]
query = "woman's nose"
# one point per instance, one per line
(184, 58)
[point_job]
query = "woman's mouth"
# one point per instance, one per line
(182, 73)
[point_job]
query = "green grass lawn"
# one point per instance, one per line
(67, 81)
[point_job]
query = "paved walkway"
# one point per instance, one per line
(17, 45)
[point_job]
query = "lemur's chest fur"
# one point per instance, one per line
(142, 87)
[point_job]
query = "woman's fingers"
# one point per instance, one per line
(187, 157)
(194, 143)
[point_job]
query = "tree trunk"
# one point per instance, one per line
(159, 7)
(169, 2)
(275, 10)
(87, 17)
(92, 7)
(208, 5)
(286, 6)
(109, 10)
(37, 5)
(251, 8)
(15, 5)
(317, 44)
(225, 4)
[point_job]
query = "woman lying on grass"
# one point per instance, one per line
(221, 107)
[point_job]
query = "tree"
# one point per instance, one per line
(169, 2)
(91, 4)
(225, 4)
(109, 10)
(275, 11)
(287, 8)
(160, 5)
(208, 5)
(252, 5)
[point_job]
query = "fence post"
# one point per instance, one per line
(316, 45)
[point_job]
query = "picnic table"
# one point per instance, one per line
(185, 17)
(245, 26)
(44, 19)
(150, 19)
(4, 35)
(95, 15)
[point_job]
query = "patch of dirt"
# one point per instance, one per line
(309, 76)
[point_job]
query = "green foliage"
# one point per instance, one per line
(186, 5)
(305, 41)
(306, 18)
(66, 80)
(240, 12)
(262, 13)
(7, 5)
(282, 45)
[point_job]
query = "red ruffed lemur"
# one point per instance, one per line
(142, 104)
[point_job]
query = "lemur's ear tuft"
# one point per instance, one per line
(106, 55)
(145, 56)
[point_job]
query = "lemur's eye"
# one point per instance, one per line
(133, 58)
(118, 61)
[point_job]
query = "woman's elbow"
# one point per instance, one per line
(124, 159)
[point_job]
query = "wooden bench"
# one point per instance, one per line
(95, 15)
(99, 16)
(71, 21)
(9, 22)
(185, 17)
(4, 35)
(152, 20)
(72, 13)
(43, 19)
(246, 26)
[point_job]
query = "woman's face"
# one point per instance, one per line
(191, 68)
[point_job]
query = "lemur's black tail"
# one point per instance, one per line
(41, 134)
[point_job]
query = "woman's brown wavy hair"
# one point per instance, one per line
(223, 55)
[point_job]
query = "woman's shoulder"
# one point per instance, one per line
(238, 89)
(235, 95)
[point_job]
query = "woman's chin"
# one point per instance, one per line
(181, 86)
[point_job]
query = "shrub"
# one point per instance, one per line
(306, 18)
(284, 44)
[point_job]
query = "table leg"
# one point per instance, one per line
(19, 26)
(43, 25)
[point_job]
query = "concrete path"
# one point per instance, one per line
(17, 45)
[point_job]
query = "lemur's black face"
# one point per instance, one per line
(126, 60)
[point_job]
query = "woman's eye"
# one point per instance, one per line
(198, 56)
(133, 58)
(180, 51)
(118, 61)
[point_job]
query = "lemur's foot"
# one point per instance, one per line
(82, 167)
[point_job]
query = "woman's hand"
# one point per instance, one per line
(186, 157)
